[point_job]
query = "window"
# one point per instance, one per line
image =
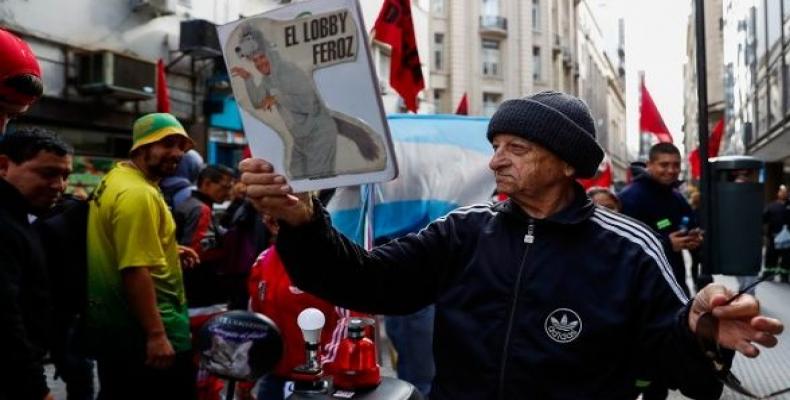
(775, 94)
(437, 6)
(761, 109)
(536, 75)
(491, 58)
(438, 100)
(384, 70)
(490, 103)
(438, 51)
(536, 15)
(490, 8)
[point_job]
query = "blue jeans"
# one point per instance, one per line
(412, 336)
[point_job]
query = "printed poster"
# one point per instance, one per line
(308, 94)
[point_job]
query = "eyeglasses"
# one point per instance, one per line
(708, 331)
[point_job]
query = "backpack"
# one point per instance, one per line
(63, 232)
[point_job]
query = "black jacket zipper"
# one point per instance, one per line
(529, 238)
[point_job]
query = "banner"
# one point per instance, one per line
(308, 96)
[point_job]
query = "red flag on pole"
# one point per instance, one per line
(162, 94)
(714, 142)
(395, 27)
(650, 120)
(463, 106)
(602, 178)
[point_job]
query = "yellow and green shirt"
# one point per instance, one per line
(130, 226)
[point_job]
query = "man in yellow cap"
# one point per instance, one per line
(137, 318)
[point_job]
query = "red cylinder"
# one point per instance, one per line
(355, 364)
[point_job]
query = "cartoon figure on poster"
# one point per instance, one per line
(276, 67)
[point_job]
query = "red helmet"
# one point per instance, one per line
(16, 58)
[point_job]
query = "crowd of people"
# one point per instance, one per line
(542, 295)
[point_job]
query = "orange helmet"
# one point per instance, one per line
(16, 59)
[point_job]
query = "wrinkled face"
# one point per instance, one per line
(524, 167)
(605, 200)
(161, 158)
(218, 192)
(262, 63)
(9, 111)
(665, 168)
(41, 180)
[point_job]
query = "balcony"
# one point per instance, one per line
(493, 24)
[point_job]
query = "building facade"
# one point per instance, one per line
(757, 84)
(491, 50)
(601, 85)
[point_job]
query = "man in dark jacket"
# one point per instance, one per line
(542, 296)
(652, 199)
(34, 168)
(196, 227)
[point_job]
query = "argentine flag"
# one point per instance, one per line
(443, 165)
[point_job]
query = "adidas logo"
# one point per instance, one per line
(563, 325)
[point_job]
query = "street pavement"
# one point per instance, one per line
(765, 374)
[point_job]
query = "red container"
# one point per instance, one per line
(355, 364)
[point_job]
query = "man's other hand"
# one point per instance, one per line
(159, 351)
(740, 323)
(271, 194)
(683, 240)
(189, 257)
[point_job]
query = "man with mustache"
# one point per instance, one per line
(34, 168)
(137, 320)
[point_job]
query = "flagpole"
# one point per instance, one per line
(642, 151)
(702, 118)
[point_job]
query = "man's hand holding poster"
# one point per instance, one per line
(308, 96)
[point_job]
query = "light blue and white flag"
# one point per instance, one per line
(443, 164)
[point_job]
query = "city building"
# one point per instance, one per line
(756, 59)
(491, 50)
(601, 85)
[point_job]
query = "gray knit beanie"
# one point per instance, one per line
(559, 122)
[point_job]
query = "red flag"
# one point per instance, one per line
(650, 120)
(162, 94)
(714, 142)
(463, 106)
(394, 26)
(602, 178)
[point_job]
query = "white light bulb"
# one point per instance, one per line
(311, 321)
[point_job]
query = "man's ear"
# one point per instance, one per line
(569, 170)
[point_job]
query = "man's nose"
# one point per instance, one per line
(497, 161)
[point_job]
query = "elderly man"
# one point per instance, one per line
(137, 318)
(20, 78)
(542, 296)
